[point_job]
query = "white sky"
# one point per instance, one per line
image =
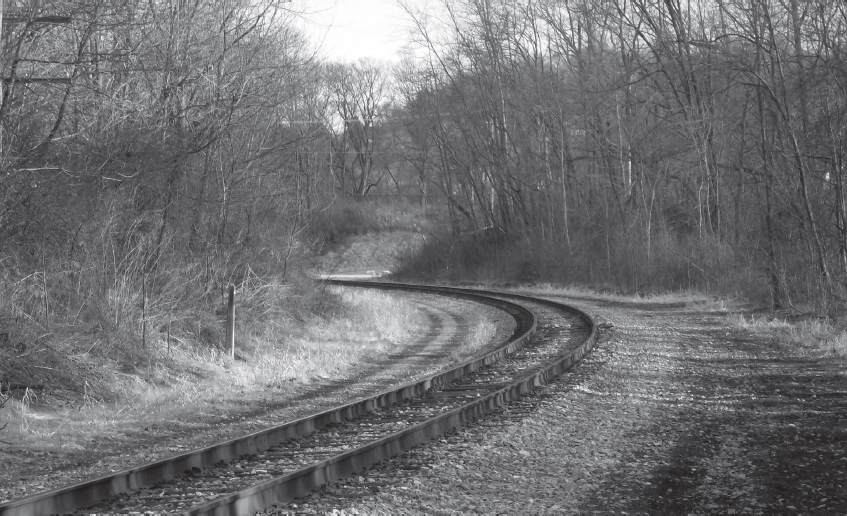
(354, 29)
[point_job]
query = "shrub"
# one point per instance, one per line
(617, 258)
(346, 217)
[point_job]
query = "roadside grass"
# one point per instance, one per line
(812, 337)
(693, 300)
(193, 379)
(482, 331)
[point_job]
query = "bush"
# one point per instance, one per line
(346, 217)
(119, 300)
(619, 259)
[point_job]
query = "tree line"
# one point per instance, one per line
(164, 148)
(678, 143)
(153, 151)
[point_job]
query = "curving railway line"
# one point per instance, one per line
(274, 466)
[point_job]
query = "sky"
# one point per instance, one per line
(353, 29)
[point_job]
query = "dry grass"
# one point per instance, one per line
(692, 300)
(808, 337)
(191, 378)
(812, 337)
(482, 330)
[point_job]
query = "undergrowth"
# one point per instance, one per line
(346, 217)
(808, 337)
(482, 330)
(694, 300)
(188, 379)
(620, 265)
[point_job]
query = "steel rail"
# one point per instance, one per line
(301, 482)
(88, 493)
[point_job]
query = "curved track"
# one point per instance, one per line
(276, 465)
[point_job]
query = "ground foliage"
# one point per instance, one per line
(675, 412)
(51, 441)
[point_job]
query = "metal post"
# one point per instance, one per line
(230, 322)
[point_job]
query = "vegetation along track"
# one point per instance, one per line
(279, 464)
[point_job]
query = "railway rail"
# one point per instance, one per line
(275, 466)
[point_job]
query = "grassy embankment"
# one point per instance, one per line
(87, 347)
(188, 379)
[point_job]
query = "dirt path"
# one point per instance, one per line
(675, 412)
(738, 422)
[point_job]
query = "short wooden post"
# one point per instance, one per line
(230, 322)
(144, 312)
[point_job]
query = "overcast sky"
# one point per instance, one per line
(352, 29)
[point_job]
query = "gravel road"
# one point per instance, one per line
(674, 412)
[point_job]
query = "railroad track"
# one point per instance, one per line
(275, 466)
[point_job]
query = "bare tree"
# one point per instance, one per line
(360, 94)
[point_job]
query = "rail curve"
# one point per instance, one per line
(468, 399)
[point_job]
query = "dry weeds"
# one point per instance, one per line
(810, 337)
(186, 379)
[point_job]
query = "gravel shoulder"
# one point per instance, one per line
(674, 412)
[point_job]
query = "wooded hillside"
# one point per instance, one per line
(154, 151)
(671, 143)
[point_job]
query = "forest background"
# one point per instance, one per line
(153, 152)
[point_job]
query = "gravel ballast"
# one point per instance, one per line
(674, 412)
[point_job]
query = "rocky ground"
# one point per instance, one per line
(675, 412)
